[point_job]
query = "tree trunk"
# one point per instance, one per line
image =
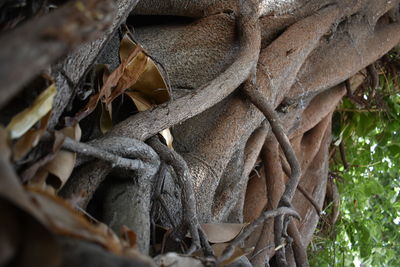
(254, 85)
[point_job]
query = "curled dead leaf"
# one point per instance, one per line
(62, 219)
(24, 120)
(23, 238)
(56, 172)
(150, 89)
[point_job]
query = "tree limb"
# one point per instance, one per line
(41, 43)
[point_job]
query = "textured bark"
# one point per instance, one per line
(229, 63)
(47, 40)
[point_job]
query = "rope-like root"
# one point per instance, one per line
(184, 180)
(280, 224)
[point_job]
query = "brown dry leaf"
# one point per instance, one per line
(30, 139)
(63, 163)
(23, 238)
(150, 89)
(24, 120)
(222, 232)
(129, 236)
(61, 166)
(150, 84)
(32, 170)
(238, 252)
(105, 118)
(62, 219)
(134, 65)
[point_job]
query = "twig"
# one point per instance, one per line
(251, 227)
(310, 199)
(185, 182)
(360, 110)
(88, 177)
(261, 102)
(164, 116)
(314, 203)
(88, 150)
(208, 251)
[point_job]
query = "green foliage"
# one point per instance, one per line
(368, 229)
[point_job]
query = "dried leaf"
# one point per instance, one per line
(24, 120)
(176, 260)
(63, 163)
(105, 118)
(129, 236)
(150, 89)
(238, 252)
(222, 232)
(150, 84)
(31, 171)
(26, 240)
(134, 66)
(125, 75)
(30, 139)
(62, 219)
(140, 101)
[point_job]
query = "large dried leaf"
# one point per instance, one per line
(222, 232)
(150, 89)
(106, 89)
(134, 64)
(238, 252)
(150, 84)
(23, 238)
(63, 163)
(52, 149)
(62, 219)
(24, 120)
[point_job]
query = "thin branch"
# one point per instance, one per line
(360, 110)
(261, 102)
(88, 150)
(314, 203)
(310, 199)
(112, 152)
(184, 180)
(251, 227)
